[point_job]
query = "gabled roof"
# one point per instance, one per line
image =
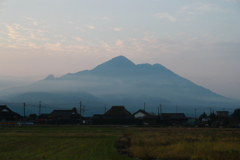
(142, 111)
(5, 108)
(62, 113)
(7, 114)
(173, 115)
(118, 111)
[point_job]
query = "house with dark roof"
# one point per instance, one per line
(116, 115)
(174, 117)
(43, 118)
(140, 113)
(6, 114)
(117, 112)
(64, 114)
(222, 113)
(150, 120)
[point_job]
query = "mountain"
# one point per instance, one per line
(120, 82)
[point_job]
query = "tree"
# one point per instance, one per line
(204, 115)
(74, 109)
(212, 116)
(236, 114)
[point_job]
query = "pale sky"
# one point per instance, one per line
(198, 40)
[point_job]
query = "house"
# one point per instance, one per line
(174, 117)
(64, 117)
(140, 113)
(150, 120)
(118, 112)
(116, 115)
(43, 118)
(64, 114)
(222, 113)
(7, 114)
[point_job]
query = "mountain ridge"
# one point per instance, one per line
(121, 81)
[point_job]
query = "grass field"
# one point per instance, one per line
(59, 142)
(186, 143)
(97, 142)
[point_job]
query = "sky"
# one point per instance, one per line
(198, 40)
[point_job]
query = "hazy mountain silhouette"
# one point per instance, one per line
(120, 82)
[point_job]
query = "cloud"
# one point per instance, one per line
(33, 45)
(53, 47)
(211, 7)
(17, 33)
(13, 34)
(117, 29)
(11, 46)
(35, 23)
(78, 28)
(77, 38)
(29, 18)
(165, 16)
(59, 36)
(184, 9)
(119, 42)
(90, 27)
(205, 7)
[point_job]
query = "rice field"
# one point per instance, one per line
(59, 143)
(97, 142)
(186, 144)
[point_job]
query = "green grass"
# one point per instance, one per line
(97, 142)
(59, 142)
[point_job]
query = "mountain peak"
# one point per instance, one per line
(117, 62)
(50, 77)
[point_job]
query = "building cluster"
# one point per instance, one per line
(119, 115)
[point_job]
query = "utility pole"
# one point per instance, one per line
(195, 112)
(24, 119)
(39, 108)
(83, 110)
(80, 108)
(160, 109)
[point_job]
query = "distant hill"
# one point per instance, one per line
(120, 82)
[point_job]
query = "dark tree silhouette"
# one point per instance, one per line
(204, 115)
(236, 114)
(74, 109)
